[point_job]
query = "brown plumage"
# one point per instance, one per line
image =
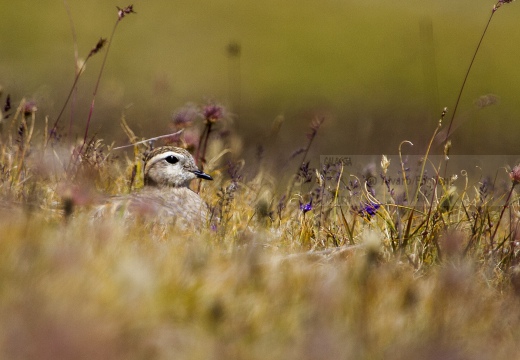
(166, 196)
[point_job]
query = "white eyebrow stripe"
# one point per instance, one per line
(160, 157)
(164, 155)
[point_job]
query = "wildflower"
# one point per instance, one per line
(484, 188)
(306, 207)
(29, 107)
(213, 113)
(305, 172)
(121, 13)
(370, 209)
(500, 3)
(233, 171)
(515, 174)
(190, 139)
(185, 116)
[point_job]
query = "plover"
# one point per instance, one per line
(166, 195)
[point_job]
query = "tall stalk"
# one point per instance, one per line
(495, 8)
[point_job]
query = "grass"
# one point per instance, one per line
(302, 260)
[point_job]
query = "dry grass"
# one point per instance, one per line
(261, 283)
(113, 290)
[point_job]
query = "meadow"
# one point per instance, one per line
(306, 256)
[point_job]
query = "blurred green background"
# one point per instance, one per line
(380, 72)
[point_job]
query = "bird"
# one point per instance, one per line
(166, 196)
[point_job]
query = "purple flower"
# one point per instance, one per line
(515, 174)
(306, 207)
(30, 107)
(370, 209)
(185, 116)
(500, 3)
(305, 172)
(213, 112)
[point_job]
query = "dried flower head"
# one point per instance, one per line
(7, 105)
(447, 148)
(100, 44)
(515, 174)
(121, 13)
(500, 3)
(385, 163)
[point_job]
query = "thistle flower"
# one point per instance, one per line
(29, 107)
(213, 113)
(515, 174)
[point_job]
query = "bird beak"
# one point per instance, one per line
(202, 175)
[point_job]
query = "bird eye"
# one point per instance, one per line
(171, 159)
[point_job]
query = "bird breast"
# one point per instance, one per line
(180, 206)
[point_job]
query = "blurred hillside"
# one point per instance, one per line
(380, 72)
